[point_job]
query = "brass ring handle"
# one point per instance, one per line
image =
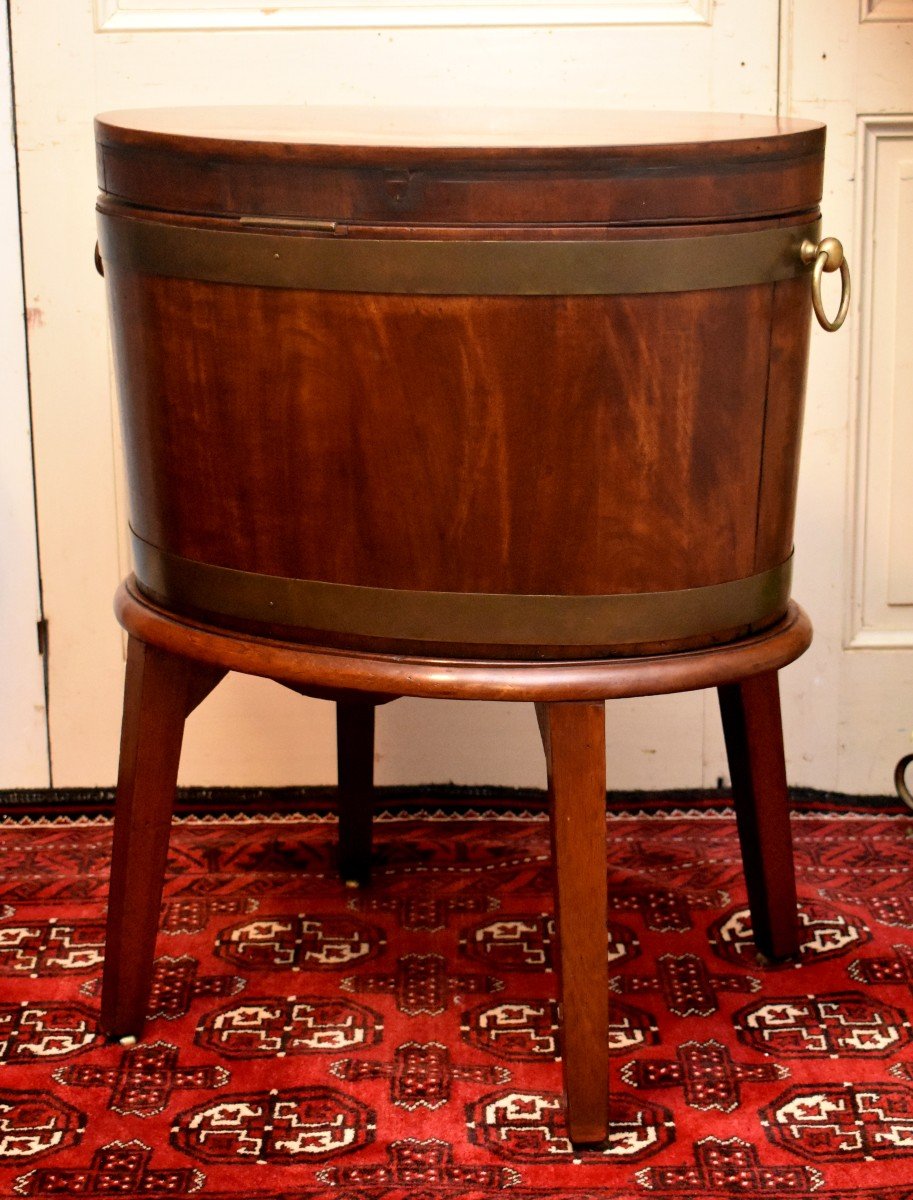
(902, 790)
(827, 255)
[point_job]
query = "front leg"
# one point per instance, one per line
(159, 691)
(574, 737)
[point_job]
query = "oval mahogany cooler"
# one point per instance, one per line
(499, 406)
(499, 386)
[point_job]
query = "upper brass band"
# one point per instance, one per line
(457, 267)
(471, 617)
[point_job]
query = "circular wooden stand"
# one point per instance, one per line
(174, 662)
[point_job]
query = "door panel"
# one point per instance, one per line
(159, 52)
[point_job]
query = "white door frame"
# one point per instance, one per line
(24, 752)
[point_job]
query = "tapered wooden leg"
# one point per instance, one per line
(355, 762)
(574, 737)
(159, 691)
(754, 745)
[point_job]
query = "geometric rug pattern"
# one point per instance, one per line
(306, 1040)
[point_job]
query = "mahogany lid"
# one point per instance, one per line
(419, 166)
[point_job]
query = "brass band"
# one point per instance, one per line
(457, 267)
(470, 617)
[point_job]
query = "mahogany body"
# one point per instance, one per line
(520, 445)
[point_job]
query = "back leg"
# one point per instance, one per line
(753, 729)
(355, 762)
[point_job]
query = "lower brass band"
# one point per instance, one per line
(470, 617)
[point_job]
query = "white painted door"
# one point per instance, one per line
(23, 728)
(851, 64)
(74, 59)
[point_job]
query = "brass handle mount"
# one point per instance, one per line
(827, 255)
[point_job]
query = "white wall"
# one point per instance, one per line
(74, 58)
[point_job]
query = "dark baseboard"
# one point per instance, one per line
(51, 802)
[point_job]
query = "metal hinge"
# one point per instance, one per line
(42, 628)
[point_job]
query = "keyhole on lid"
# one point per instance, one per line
(397, 185)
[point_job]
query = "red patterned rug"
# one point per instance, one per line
(396, 1042)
